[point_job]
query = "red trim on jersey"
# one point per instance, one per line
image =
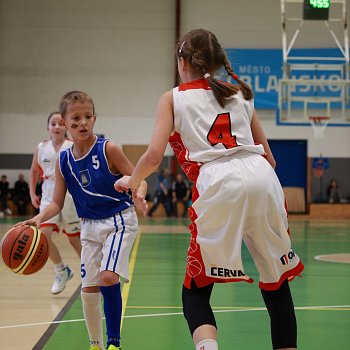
(41, 172)
(190, 168)
(198, 84)
(48, 224)
(290, 275)
(74, 234)
(195, 84)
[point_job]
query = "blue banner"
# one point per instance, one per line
(263, 68)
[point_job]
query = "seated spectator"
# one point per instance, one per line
(4, 196)
(334, 193)
(180, 194)
(161, 195)
(21, 196)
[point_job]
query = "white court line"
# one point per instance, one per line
(321, 308)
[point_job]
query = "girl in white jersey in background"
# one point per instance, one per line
(216, 135)
(43, 166)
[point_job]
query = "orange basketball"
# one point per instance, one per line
(24, 249)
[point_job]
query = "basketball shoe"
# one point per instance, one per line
(62, 277)
(113, 347)
(94, 347)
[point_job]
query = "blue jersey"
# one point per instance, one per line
(91, 183)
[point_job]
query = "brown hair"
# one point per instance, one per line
(201, 49)
(72, 97)
(49, 117)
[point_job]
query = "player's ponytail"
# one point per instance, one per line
(245, 88)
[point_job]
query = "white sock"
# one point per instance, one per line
(60, 266)
(93, 317)
(207, 344)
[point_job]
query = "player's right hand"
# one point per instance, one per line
(34, 221)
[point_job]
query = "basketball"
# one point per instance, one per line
(24, 249)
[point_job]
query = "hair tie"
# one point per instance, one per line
(206, 75)
(234, 76)
(181, 46)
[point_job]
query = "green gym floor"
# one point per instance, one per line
(153, 317)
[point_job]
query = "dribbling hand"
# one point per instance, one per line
(34, 221)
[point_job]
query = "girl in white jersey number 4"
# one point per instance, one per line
(218, 140)
(43, 165)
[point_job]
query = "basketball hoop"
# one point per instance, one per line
(319, 125)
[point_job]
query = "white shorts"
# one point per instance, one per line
(240, 199)
(106, 245)
(67, 219)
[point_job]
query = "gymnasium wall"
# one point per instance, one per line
(121, 52)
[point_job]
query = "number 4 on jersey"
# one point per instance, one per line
(220, 132)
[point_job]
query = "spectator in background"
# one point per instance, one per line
(180, 194)
(161, 195)
(4, 196)
(333, 192)
(21, 196)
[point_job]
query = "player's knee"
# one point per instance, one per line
(108, 278)
(196, 307)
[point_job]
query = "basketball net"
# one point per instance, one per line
(319, 125)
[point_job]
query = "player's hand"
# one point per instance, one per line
(35, 221)
(122, 184)
(35, 201)
(140, 201)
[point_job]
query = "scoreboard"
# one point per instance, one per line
(316, 9)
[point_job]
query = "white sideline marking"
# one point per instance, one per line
(321, 308)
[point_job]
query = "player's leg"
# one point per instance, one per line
(62, 271)
(279, 304)
(91, 301)
(71, 224)
(112, 305)
(269, 244)
(185, 207)
(75, 243)
(199, 316)
(91, 256)
(118, 234)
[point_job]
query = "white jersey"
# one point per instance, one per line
(67, 219)
(47, 158)
(209, 131)
(236, 194)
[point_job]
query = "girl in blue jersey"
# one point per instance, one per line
(218, 140)
(89, 169)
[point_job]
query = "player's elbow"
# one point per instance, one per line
(153, 157)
